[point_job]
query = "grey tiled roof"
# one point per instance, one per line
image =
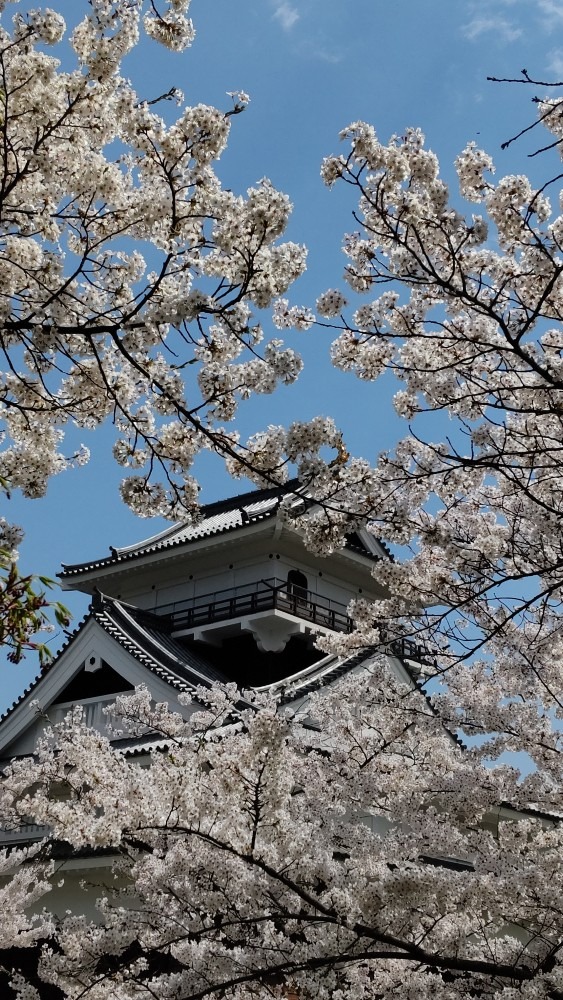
(145, 636)
(327, 672)
(216, 518)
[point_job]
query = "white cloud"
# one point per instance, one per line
(286, 15)
(553, 11)
(488, 16)
(325, 55)
(555, 63)
(503, 29)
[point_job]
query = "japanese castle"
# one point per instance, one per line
(233, 598)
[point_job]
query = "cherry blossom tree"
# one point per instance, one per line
(465, 310)
(349, 850)
(132, 282)
(353, 849)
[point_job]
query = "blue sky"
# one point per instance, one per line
(311, 67)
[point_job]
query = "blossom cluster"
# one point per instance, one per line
(463, 310)
(92, 331)
(343, 847)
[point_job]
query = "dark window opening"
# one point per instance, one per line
(297, 584)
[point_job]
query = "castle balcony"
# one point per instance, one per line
(23, 834)
(272, 610)
(258, 596)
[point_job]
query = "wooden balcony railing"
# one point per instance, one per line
(274, 594)
(24, 833)
(407, 649)
(263, 595)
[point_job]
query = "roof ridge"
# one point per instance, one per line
(177, 536)
(148, 647)
(254, 496)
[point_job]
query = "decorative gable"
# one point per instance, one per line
(88, 684)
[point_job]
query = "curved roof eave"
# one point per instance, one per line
(217, 519)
